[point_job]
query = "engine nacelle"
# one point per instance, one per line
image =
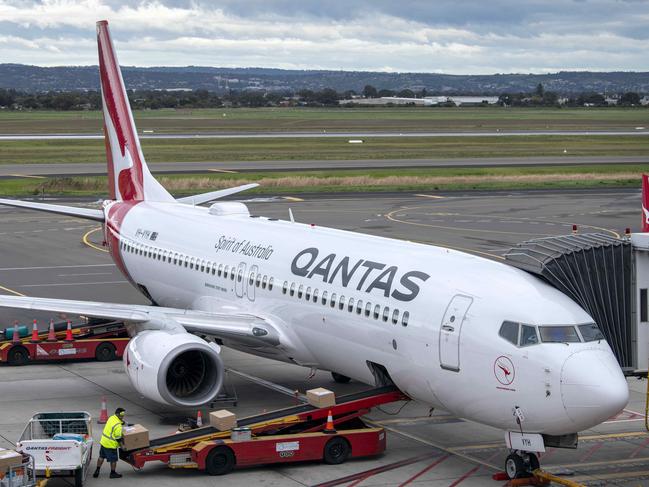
(179, 369)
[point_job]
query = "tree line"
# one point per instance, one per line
(156, 99)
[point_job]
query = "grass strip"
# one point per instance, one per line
(445, 179)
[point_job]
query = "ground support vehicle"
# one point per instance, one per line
(287, 435)
(23, 475)
(60, 443)
(103, 342)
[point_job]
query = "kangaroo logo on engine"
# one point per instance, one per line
(363, 275)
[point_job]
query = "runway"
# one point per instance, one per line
(99, 169)
(45, 255)
(640, 131)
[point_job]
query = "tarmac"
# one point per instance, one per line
(60, 257)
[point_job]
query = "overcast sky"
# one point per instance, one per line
(455, 37)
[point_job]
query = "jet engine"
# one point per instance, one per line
(179, 369)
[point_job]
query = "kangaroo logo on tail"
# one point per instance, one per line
(129, 178)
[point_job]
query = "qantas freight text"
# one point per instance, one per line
(303, 266)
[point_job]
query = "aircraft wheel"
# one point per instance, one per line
(220, 461)
(515, 467)
(341, 379)
(534, 462)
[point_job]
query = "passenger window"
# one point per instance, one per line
(359, 307)
(386, 313)
(324, 297)
(264, 282)
(251, 279)
(284, 287)
(300, 291)
(307, 295)
(368, 308)
(191, 263)
(332, 303)
(377, 311)
(258, 280)
(226, 269)
(240, 275)
(395, 316)
(509, 331)
(220, 271)
(350, 305)
(405, 318)
(232, 273)
(202, 266)
(214, 269)
(270, 284)
(315, 295)
(186, 261)
(292, 292)
(341, 303)
(528, 335)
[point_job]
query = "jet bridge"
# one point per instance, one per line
(606, 276)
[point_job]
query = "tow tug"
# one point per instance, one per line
(295, 434)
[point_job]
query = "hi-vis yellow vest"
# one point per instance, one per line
(112, 433)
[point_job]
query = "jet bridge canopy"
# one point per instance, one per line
(595, 270)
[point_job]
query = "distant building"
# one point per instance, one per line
(426, 102)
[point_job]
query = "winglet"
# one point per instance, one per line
(645, 203)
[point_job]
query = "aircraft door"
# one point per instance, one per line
(254, 270)
(240, 280)
(450, 331)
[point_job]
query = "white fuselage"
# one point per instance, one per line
(447, 352)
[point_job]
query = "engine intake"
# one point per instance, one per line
(174, 368)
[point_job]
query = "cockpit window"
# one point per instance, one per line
(559, 334)
(509, 331)
(528, 335)
(590, 332)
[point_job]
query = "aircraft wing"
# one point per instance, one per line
(215, 195)
(245, 328)
(86, 213)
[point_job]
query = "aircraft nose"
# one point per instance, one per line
(593, 388)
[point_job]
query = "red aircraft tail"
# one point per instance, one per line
(645, 203)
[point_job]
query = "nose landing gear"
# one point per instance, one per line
(520, 464)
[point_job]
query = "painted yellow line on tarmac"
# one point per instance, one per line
(292, 198)
(599, 463)
(86, 240)
(433, 196)
(27, 176)
(223, 170)
(11, 291)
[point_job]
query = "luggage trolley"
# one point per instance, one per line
(23, 475)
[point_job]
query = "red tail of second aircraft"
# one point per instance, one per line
(645, 203)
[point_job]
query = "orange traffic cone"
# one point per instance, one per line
(199, 419)
(68, 333)
(51, 334)
(330, 429)
(35, 337)
(103, 413)
(16, 336)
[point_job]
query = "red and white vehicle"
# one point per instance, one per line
(103, 342)
(478, 338)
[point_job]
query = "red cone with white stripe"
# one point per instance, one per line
(35, 337)
(199, 419)
(51, 334)
(330, 429)
(16, 336)
(103, 414)
(68, 333)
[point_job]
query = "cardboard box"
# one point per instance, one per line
(135, 437)
(9, 458)
(321, 398)
(223, 420)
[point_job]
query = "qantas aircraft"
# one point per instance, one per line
(480, 339)
(645, 203)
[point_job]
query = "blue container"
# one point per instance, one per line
(22, 331)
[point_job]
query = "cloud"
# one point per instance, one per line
(417, 35)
